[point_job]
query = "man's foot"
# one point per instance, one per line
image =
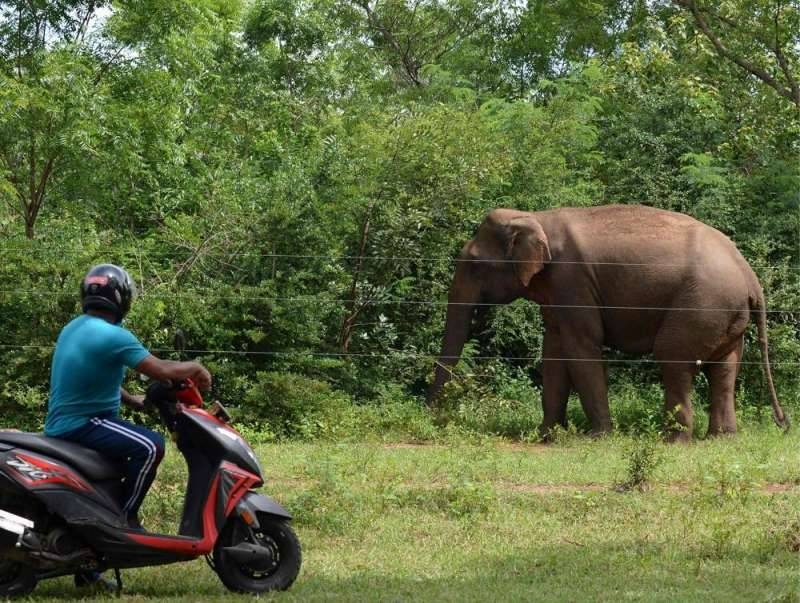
(94, 581)
(135, 524)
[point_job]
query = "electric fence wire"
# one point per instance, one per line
(155, 292)
(195, 294)
(376, 258)
(418, 356)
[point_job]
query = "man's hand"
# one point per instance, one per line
(134, 401)
(202, 378)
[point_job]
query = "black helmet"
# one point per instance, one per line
(108, 287)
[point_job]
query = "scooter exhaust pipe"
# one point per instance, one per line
(256, 557)
(14, 523)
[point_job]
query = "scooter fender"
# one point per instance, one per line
(255, 503)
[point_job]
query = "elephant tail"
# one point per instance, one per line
(758, 308)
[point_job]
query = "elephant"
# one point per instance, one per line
(632, 278)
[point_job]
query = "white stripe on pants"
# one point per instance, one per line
(151, 455)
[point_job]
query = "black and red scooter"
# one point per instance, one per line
(59, 510)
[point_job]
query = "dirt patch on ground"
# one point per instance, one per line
(513, 446)
(411, 446)
(776, 488)
(550, 488)
(531, 488)
(771, 488)
(523, 447)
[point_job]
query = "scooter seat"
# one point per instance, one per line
(89, 462)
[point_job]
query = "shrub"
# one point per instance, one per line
(643, 456)
(394, 415)
(506, 404)
(295, 406)
(637, 409)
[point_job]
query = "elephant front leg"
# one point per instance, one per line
(556, 385)
(587, 372)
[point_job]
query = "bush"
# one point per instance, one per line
(637, 409)
(507, 404)
(295, 406)
(393, 415)
(643, 455)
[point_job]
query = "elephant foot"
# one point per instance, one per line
(679, 436)
(546, 434)
(714, 432)
(601, 432)
(549, 433)
(601, 429)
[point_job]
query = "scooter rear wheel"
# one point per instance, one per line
(278, 561)
(16, 579)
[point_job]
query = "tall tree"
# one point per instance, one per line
(762, 38)
(411, 35)
(50, 79)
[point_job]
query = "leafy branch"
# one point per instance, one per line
(786, 86)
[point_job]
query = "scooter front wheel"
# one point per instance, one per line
(257, 560)
(16, 579)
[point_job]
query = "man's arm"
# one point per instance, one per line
(169, 370)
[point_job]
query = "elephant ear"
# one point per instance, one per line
(528, 248)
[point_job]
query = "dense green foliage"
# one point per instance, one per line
(288, 181)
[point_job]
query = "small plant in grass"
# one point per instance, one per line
(643, 456)
(394, 415)
(329, 504)
(466, 497)
(297, 406)
(560, 436)
(792, 537)
(256, 433)
(723, 491)
(164, 501)
(730, 482)
(458, 499)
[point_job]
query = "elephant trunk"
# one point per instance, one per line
(758, 307)
(460, 311)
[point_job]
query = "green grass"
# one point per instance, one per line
(485, 519)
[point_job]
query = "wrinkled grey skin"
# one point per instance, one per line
(633, 278)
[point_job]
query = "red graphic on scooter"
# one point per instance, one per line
(37, 472)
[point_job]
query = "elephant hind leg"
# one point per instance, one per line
(678, 378)
(721, 377)
(684, 338)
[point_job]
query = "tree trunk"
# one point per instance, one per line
(355, 308)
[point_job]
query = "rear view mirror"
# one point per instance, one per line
(179, 343)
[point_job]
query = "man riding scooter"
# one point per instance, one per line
(88, 367)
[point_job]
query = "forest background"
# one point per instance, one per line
(289, 182)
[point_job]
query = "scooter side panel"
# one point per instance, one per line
(63, 491)
(236, 482)
(89, 512)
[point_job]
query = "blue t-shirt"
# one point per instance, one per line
(88, 368)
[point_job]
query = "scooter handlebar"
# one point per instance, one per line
(164, 396)
(187, 393)
(161, 396)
